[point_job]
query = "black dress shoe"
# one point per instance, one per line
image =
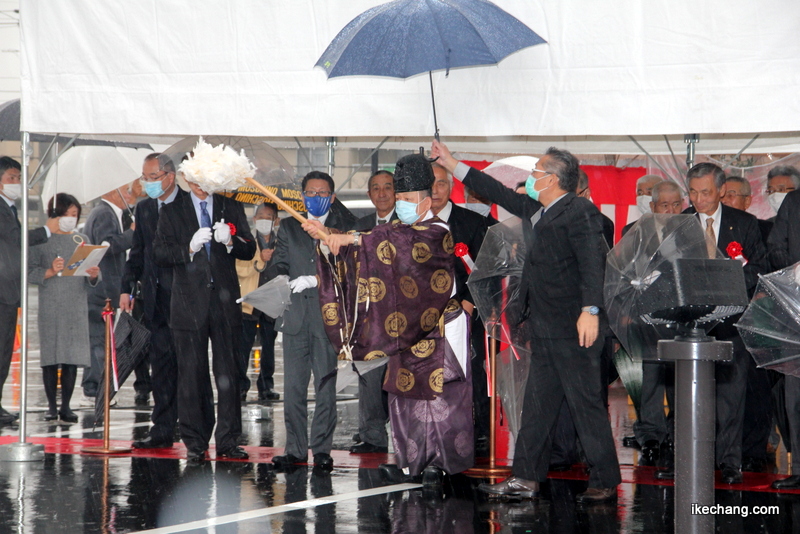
(286, 460)
(432, 477)
(597, 495)
(68, 416)
(51, 415)
(754, 465)
(730, 474)
(236, 453)
(792, 482)
(366, 448)
(150, 443)
(269, 395)
(7, 417)
(665, 474)
(395, 475)
(512, 487)
(650, 452)
(630, 442)
(323, 461)
(195, 457)
(142, 398)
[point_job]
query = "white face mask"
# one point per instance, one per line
(775, 200)
(67, 224)
(479, 207)
(12, 191)
(263, 226)
(643, 203)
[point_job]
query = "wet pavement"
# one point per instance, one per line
(158, 491)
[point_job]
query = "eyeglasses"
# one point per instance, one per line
(312, 194)
(779, 189)
(144, 178)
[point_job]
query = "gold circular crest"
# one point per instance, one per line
(447, 243)
(419, 228)
(421, 252)
(374, 355)
(436, 380)
(405, 380)
(429, 319)
(377, 289)
(409, 287)
(440, 281)
(363, 290)
(452, 305)
(330, 313)
(386, 252)
(424, 348)
(395, 324)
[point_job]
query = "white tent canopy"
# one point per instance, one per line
(245, 67)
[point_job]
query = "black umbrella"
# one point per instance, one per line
(131, 338)
(407, 37)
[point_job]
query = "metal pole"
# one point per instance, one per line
(646, 153)
(371, 154)
(23, 451)
(331, 142)
(690, 140)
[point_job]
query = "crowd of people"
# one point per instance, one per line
(389, 286)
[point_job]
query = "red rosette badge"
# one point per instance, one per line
(735, 250)
(233, 229)
(462, 251)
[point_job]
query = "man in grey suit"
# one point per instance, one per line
(10, 264)
(306, 347)
(373, 410)
(105, 225)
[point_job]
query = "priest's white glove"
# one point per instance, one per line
(301, 283)
(222, 232)
(200, 238)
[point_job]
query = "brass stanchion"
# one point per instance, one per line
(492, 471)
(108, 314)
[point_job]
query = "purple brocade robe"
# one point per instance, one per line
(390, 297)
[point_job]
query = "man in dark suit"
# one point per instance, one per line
(583, 190)
(105, 226)
(725, 225)
(784, 251)
(10, 265)
(373, 410)
(306, 348)
(470, 228)
(564, 270)
(158, 178)
(203, 305)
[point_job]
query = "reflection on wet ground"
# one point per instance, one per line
(72, 492)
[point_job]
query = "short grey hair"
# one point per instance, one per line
(746, 189)
(665, 186)
(649, 178)
(785, 170)
(704, 169)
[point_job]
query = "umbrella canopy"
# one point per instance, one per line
(88, 172)
(648, 249)
(511, 171)
(770, 327)
(407, 37)
(272, 298)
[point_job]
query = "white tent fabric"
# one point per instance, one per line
(245, 67)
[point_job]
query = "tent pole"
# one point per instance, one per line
(675, 161)
(362, 164)
(58, 155)
(331, 142)
(646, 153)
(690, 140)
(23, 451)
(753, 140)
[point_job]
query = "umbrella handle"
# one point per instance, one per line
(322, 236)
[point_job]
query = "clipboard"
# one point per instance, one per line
(85, 257)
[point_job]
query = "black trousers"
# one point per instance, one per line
(731, 393)
(561, 369)
(8, 328)
(373, 408)
(195, 394)
(757, 412)
(164, 377)
(252, 324)
(653, 424)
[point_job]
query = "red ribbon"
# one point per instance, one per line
(461, 250)
(233, 228)
(735, 250)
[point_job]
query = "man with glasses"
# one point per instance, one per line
(155, 291)
(306, 348)
(781, 181)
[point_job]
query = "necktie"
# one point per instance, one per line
(381, 221)
(206, 223)
(160, 205)
(16, 214)
(711, 238)
(127, 220)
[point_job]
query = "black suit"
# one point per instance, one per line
(156, 291)
(564, 270)
(732, 378)
(10, 277)
(373, 401)
(784, 251)
(203, 306)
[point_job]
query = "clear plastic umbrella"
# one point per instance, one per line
(272, 298)
(511, 171)
(770, 327)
